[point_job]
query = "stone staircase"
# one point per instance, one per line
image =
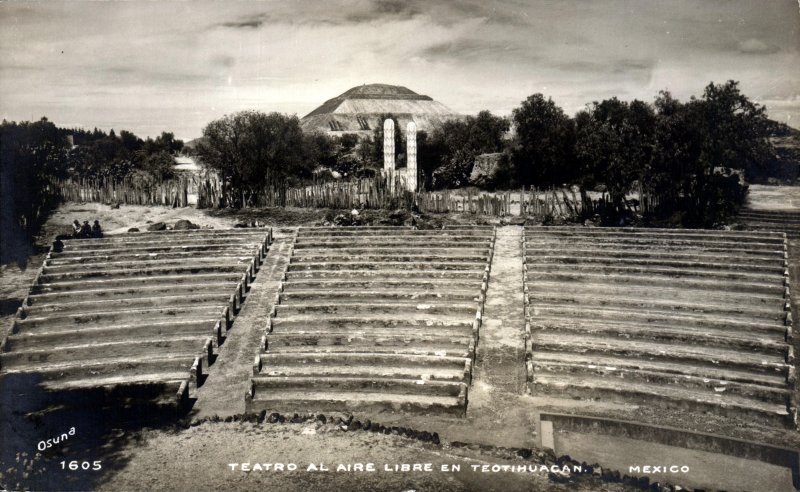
(772, 220)
(697, 320)
(133, 313)
(375, 318)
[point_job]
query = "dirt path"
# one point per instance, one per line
(223, 392)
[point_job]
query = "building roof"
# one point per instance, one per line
(358, 110)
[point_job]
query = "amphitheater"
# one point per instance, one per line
(399, 324)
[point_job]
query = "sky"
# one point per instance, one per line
(160, 66)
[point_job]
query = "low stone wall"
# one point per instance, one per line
(786, 457)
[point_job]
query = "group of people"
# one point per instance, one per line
(86, 231)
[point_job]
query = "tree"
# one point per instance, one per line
(542, 149)
(251, 150)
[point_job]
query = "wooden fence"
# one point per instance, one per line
(368, 193)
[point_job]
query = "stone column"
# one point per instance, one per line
(411, 156)
(388, 146)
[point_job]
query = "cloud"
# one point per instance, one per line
(253, 21)
(757, 47)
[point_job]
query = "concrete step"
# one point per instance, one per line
(445, 349)
(176, 366)
(592, 361)
(370, 321)
(322, 384)
(394, 343)
(182, 256)
(336, 257)
(578, 312)
(765, 287)
(156, 281)
(445, 308)
(205, 268)
(391, 250)
(435, 285)
(291, 295)
(673, 352)
(672, 272)
(685, 234)
(398, 232)
(662, 306)
(359, 359)
(731, 245)
(381, 275)
(770, 260)
(223, 261)
(135, 292)
(94, 305)
(95, 245)
(590, 245)
(746, 341)
(368, 371)
(237, 232)
(157, 249)
(407, 331)
(338, 401)
(701, 294)
(171, 345)
(120, 316)
(431, 264)
(45, 338)
(158, 388)
(679, 398)
(778, 396)
(399, 243)
(566, 258)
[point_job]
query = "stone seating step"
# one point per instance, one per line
(708, 337)
(223, 261)
(282, 342)
(366, 371)
(44, 338)
(399, 232)
(703, 294)
(180, 256)
(135, 282)
(681, 398)
(772, 216)
(660, 305)
(324, 322)
(95, 245)
(673, 272)
(358, 359)
(156, 248)
(322, 384)
(395, 257)
(431, 264)
(145, 272)
(169, 384)
(432, 349)
(177, 365)
(577, 312)
(767, 261)
(644, 242)
(773, 380)
(408, 331)
(790, 230)
(398, 308)
(673, 352)
(304, 401)
(565, 275)
(399, 243)
(136, 292)
(146, 326)
(33, 359)
(775, 267)
(94, 305)
(232, 232)
(120, 316)
(779, 396)
(700, 234)
(379, 275)
(291, 294)
(735, 251)
(368, 283)
(380, 250)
